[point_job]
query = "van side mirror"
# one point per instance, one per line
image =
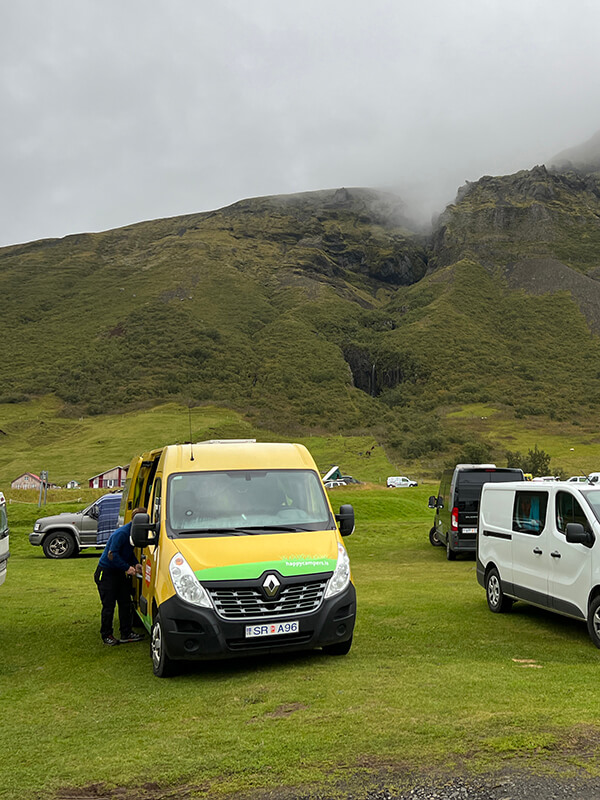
(143, 532)
(576, 534)
(433, 501)
(93, 512)
(345, 519)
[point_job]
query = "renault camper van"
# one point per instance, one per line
(4, 552)
(541, 543)
(457, 505)
(241, 553)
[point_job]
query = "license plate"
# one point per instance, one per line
(272, 629)
(468, 530)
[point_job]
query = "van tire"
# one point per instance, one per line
(497, 601)
(338, 649)
(593, 620)
(450, 554)
(59, 544)
(162, 665)
(433, 538)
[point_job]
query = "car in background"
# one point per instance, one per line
(457, 504)
(334, 484)
(65, 535)
(4, 552)
(399, 482)
(581, 479)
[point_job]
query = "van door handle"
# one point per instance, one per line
(555, 554)
(537, 551)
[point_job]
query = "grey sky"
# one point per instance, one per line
(116, 111)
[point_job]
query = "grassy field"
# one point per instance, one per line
(36, 437)
(434, 682)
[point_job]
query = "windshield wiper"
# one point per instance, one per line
(196, 531)
(285, 528)
(246, 530)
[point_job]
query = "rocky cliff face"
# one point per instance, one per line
(532, 214)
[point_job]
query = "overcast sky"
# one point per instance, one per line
(116, 111)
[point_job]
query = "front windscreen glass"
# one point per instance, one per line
(244, 502)
(593, 498)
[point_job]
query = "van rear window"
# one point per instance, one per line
(470, 482)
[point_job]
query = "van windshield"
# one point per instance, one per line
(246, 502)
(593, 498)
(470, 483)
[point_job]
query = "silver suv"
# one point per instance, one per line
(64, 535)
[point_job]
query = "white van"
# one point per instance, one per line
(399, 482)
(3, 539)
(541, 543)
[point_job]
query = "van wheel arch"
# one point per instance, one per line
(497, 601)
(594, 593)
(593, 616)
(162, 665)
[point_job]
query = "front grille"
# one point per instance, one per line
(260, 643)
(246, 603)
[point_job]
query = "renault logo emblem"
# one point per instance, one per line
(271, 585)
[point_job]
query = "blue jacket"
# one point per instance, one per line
(118, 553)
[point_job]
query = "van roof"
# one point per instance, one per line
(234, 454)
(475, 466)
(536, 486)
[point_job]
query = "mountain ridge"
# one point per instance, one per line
(321, 311)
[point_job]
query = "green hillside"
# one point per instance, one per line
(321, 314)
(35, 437)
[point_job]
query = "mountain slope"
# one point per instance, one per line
(323, 311)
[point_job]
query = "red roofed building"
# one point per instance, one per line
(26, 481)
(113, 478)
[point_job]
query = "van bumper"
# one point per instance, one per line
(192, 633)
(36, 537)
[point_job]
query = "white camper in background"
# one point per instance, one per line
(541, 543)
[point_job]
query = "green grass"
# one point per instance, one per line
(432, 678)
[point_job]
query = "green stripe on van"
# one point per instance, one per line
(239, 572)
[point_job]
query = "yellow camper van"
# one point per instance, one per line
(241, 552)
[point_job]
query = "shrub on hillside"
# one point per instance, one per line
(536, 461)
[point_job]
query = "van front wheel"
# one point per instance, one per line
(593, 621)
(433, 538)
(162, 665)
(497, 601)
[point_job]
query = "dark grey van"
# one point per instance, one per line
(457, 505)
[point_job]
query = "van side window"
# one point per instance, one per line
(569, 510)
(155, 515)
(529, 512)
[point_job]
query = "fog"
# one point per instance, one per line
(116, 112)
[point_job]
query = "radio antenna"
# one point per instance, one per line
(191, 447)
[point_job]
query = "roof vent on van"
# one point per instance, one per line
(228, 441)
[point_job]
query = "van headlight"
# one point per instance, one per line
(341, 574)
(186, 584)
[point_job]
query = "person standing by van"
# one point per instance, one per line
(116, 564)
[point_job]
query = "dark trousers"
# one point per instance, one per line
(114, 588)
